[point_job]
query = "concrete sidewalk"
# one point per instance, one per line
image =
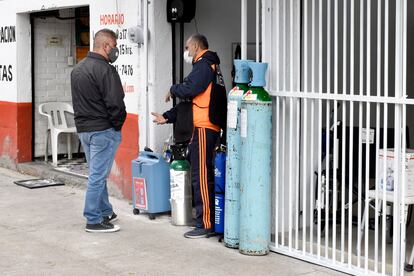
(42, 233)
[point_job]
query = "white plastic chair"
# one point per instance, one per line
(389, 197)
(55, 113)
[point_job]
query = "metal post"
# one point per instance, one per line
(257, 30)
(147, 121)
(243, 29)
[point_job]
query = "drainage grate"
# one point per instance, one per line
(38, 183)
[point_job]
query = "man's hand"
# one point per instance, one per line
(159, 119)
(168, 97)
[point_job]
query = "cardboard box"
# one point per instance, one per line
(390, 171)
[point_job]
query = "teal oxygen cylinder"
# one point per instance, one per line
(255, 192)
(232, 188)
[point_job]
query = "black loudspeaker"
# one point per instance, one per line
(181, 10)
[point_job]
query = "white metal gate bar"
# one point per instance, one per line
(327, 146)
(400, 90)
(291, 145)
(385, 133)
(344, 77)
(367, 127)
(377, 129)
(304, 145)
(320, 87)
(404, 11)
(335, 146)
(325, 88)
(361, 92)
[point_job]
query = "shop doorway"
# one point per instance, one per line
(60, 39)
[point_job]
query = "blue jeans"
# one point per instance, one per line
(100, 148)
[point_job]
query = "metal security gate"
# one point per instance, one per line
(337, 74)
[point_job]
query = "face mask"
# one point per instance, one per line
(187, 58)
(113, 54)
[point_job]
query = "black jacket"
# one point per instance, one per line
(97, 95)
(195, 83)
(199, 78)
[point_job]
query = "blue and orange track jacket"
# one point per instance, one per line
(197, 86)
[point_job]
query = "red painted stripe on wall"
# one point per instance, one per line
(16, 131)
(121, 173)
(24, 132)
(16, 142)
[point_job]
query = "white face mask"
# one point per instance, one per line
(187, 58)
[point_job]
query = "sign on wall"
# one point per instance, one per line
(7, 61)
(105, 14)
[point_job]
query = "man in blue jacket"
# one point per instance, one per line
(197, 86)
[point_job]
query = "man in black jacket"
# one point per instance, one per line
(98, 102)
(197, 86)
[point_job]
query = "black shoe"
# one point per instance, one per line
(197, 233)
(110, 218)
(104, 227)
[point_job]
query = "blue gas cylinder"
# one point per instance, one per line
(219, 188)
(219, 213)
(220, 171)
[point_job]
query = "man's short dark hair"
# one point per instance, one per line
(100, 34)
(201, 40)
(107, 32)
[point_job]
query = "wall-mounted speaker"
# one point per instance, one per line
(181, 10)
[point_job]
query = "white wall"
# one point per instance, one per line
(160, 79)
(129, 10)
(220, 22)
(24, 71)
(8, 83)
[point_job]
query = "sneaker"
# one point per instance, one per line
(110, 218)
(197, 233)
(104, 227)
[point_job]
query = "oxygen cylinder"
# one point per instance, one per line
(180, 181)
(219, 188)
(256, 147)
(232, 191)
